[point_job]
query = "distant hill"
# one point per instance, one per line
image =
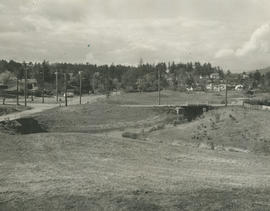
(264, 70)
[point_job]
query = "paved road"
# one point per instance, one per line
(39, 107)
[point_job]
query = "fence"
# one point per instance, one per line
(256, 107)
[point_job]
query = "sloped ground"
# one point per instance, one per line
(74, 167)
(234, 128)
(7, 109)
(97, 117)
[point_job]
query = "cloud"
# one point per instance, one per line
(259, 43)
(253, 54)
(122, 31)
(224, 53)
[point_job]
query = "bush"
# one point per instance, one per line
(265, 102)
(130, 135)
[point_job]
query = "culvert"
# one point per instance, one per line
(22, 126)
(190, 112)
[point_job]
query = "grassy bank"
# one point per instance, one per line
(84, 163)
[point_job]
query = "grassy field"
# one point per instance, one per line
(84, 163)
(172, 97)
(97, 117)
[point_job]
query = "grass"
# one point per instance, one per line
(227, 127)
(172, 97)
(96, 117)
(69, 171)
(84, 163)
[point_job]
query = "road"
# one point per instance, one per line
(39, 107)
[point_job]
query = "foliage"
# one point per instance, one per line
(105, 78)
(5, 77)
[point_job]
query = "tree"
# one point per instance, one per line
(257, 76)
(5, 77)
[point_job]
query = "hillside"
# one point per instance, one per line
(264, 70)
(219, 161)
(226, 129)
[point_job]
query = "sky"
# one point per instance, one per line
(232, 34)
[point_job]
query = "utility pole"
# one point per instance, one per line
(93, 83)
(65, 76)
(25, 86)
(158, 86)
(226, 94)
(80, 74)
(17, 90)
(43, 85)
(56, 85)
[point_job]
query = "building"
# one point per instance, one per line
(239, 87)
(245, 76)
(32, 85)
(204, 77)
(215, 76)
(210, 86)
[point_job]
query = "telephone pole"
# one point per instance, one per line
(25, 86)
(80, 74)
(56, 85)
(93, 83)
(65, 76)
(226, 93)
(43, 85)
(17, 90)
(158, 86)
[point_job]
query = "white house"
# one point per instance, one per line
(239, 87)
(215, 76)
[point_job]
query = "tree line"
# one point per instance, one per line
(143, 77)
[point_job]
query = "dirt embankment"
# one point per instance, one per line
(234, 129)
(21, 126)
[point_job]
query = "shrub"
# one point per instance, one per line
(130, 135)
(265, 102)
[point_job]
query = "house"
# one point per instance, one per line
(220, 87)
(245, 76)
(32, 84)
(239, 87)
(210, 86)
(204, 77)
(189, 89)
(169, 79)
(216, 87)
(215, 76)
